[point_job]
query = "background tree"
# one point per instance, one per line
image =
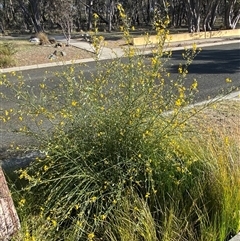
(196, 15)
(177, 12)
(232, 13)
(31, 10)
(193, 8)
(210, 10)
(62, 12)
(7, 14)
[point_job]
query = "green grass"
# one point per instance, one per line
(7, 50)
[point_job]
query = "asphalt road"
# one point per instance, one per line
(211, 68)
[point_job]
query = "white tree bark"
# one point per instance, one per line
(210, 14)
(9, 221)
(193, 8)
(232, 14)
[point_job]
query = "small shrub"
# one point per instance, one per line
(7, 50)
(6, 61)
(43, 38)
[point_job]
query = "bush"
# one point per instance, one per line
(117, 157)
(43, 38)
(7, 50)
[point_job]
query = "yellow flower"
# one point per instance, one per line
(178, 102)
(194, 47)
(54, 222)
(45, 168)
(24, 175)
(154, 61)
(194, 84)
(93, 199)
(74, 103)
(180, 70)
(136, 208)
(22, 202)
(228, 80)
(95, 15)
(91, 236)
(147, 195)
(79, 223)
(42, 86)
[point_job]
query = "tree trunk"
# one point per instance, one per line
(232, 14)
(210, 15)
(90, 14)
(32, 14)
(9, 221)
(149, 12)
(110, 12)
(193, 14)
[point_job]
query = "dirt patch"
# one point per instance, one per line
(30, 54)
(222, 117)
(33, 54)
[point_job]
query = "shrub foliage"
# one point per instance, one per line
(7, 50)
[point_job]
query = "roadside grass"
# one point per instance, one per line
(7, 51)
(18, 43)
(9, 48)
(217, 143)
(123, 159)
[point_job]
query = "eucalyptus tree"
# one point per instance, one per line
(210, 9)
(177, 12)
(232, 13)
(31, 10)
(8, 14)
(111, 8)
(62, 12)
(193, 9)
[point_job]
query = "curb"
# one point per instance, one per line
(39, 66)
(188, 36)
(235, 238)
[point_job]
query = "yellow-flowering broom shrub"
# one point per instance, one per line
(108, 139)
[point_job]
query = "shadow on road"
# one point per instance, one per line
(211, 62)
